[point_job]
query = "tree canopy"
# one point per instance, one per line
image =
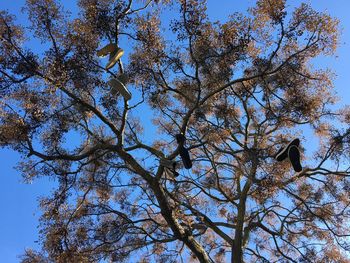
(238, 90)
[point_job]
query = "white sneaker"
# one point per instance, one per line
(118, 87)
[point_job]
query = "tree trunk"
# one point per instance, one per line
(237, 248)
(237, 252)
(167, 213)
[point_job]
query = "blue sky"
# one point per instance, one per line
(19, 201)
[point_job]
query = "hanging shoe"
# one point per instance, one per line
(171, 165)
(108, 49)
(118, 87)
(167, 163)
(185, 157)
(294, 158)
(114, 57)
(283, 152)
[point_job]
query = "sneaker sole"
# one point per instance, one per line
(114, 58)
(283, 153)
(185, 157)
(106, 50)
(294, 158)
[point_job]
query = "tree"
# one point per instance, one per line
(238, 90)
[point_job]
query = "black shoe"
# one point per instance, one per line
(185, 157)
(180, 138)
(171, 165)
(168, 163)
(294, 158)
(283, 152)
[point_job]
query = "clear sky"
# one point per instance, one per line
(19, 201)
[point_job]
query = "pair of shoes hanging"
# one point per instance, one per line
(117, 84)
(291, 150)
(184, 154)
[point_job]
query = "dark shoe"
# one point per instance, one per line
(283, 152)
(294, 158)
(171, 165)
(168, 163)
(185, 157)
(180, 138)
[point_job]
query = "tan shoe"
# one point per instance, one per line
(114, 57)
(106, 50)
(118, 87)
